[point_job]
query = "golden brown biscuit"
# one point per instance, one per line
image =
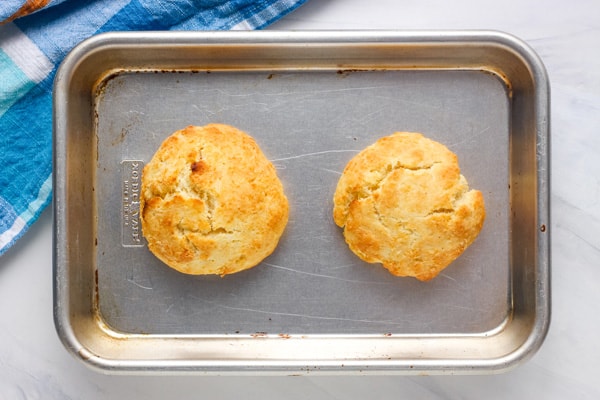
(211, 202)
(402, 202)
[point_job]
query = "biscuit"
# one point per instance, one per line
(211, 202)
(403, 202)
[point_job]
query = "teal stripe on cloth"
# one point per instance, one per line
(14, 84)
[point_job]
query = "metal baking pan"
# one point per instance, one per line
(312, 100)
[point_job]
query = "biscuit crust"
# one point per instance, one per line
(403, 203)
(211, 202)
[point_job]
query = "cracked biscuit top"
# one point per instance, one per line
(211, 202)
(403, 203)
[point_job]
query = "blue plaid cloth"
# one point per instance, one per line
(35, 35)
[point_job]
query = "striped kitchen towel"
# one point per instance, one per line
(35, 35)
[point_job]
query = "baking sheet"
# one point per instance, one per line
(309, 123)
(310, 113)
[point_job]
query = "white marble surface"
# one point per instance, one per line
(566, 34)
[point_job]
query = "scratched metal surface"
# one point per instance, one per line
(309, 123)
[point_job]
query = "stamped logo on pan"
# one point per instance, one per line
(131, 183)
